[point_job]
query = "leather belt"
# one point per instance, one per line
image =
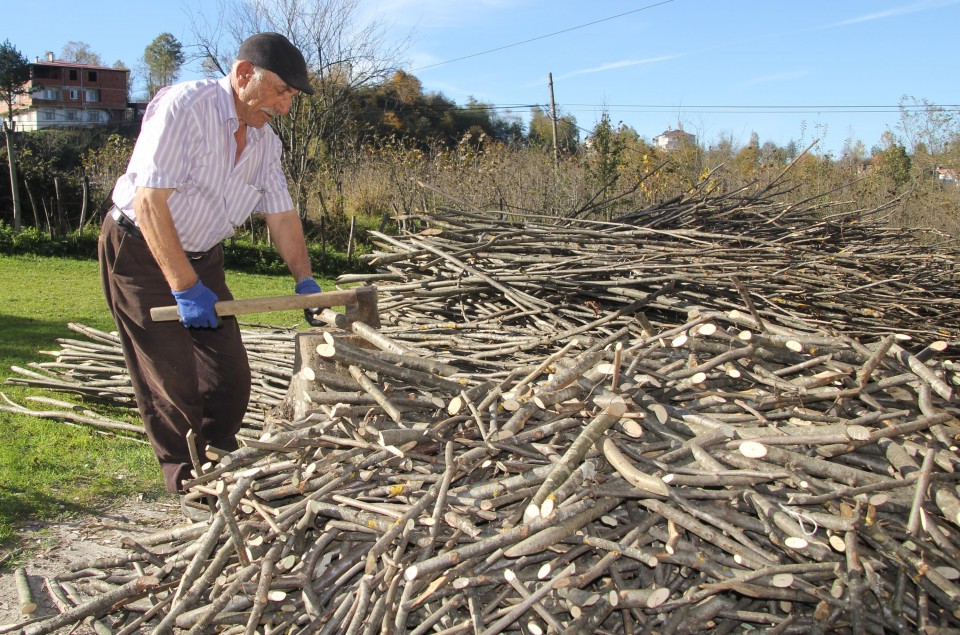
(124, 222)
(131, 228)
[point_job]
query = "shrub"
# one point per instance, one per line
(31, 240)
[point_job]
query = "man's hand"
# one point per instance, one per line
(304, 287)
(196, 307)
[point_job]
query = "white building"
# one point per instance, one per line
(672, 140)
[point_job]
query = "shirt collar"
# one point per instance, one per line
(228, 111)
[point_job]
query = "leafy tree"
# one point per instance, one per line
(606, 151)
(541, 130)
(14, 75)
(854, 152)
(407, 88)
(478, 116)
(893, 161)
(51, 163)
(772, 154)
(81, 53)
(398, 108)
(748, 158)
(104, 164)
(163, 59)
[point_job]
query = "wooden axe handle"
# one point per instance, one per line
(323, 300)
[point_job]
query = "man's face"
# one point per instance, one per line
(262, 96)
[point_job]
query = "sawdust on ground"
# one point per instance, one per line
(49, 548)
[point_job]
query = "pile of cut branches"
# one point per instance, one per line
(574, 426)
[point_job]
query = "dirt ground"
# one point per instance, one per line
(50, 548)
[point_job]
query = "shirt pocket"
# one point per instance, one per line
(242, 202)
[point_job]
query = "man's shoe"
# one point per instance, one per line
(194, 509)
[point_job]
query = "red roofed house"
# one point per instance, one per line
(948, 177)
(71, 94)
(673, 139)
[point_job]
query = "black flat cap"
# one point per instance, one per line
(275, 53)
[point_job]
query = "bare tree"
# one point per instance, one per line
(81, 53)
(341, 55)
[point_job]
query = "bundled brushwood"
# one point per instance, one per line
(795, 267)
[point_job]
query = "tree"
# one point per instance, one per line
(606, 153)
(407, 88)
(893, 161)
(14, 75)
(927, 130)
(772, 154)
(541, 130)
(81, 53)
(748, 158)
(162, 59)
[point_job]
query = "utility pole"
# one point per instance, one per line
(553, 119)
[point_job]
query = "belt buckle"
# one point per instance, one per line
(125, 223)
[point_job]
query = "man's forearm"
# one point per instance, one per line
(286, 231)
(156, 223)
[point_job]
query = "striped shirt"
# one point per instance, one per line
(186, 143)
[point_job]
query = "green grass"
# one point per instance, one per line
(49, 470)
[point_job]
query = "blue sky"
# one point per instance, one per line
(785, 69)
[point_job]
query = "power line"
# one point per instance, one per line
(734, 110)
(689, 110)
(541, 37)
(810, 106)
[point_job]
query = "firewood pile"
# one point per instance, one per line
(93, 368)
(708, 417)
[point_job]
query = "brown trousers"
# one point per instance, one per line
(184, 379)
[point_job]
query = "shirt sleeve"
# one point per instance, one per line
(161, 156)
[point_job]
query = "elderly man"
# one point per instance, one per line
(205, 160)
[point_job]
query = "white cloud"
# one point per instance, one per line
(430, 14)
(925, 5)
(421, 59)
(615, 65)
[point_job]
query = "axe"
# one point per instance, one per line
(360, 303)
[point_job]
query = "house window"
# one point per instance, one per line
(94, 116)
(50, 93)
(45, 72)
(91, 76)
(73, 93)
(73, 74)
(71, 114)
(91, 95)
(48, 114)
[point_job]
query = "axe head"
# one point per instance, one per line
(365, 310)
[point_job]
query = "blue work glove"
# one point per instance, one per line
(196, 307)
(304, 287)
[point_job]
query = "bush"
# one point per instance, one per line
(31, 240)
(241, 253)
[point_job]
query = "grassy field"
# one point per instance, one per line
(49, 469)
